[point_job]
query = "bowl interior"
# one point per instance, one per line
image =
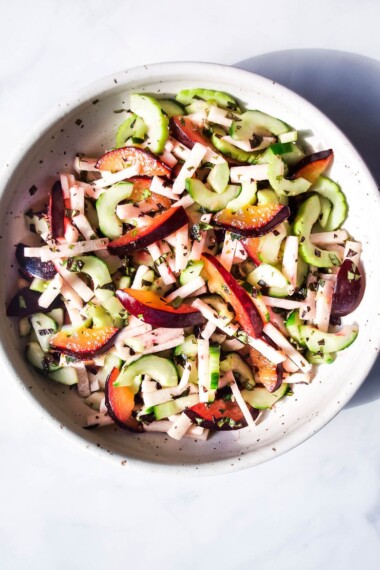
(88, 125)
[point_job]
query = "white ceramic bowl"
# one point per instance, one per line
(52, 147)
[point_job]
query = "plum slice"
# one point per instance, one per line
(221, 414)
(252, 221)
(120, 402)
(266, 373)
(251, 246)
(348, 288)
(151, 309)
(162, 226)
(33, 266)
(25, 303)
(84, 343)
(142, 195)
(56, 211)
(220, 281)
(120, 158)
(313, 165)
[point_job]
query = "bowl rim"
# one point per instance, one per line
(220, 72)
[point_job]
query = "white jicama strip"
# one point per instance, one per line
(185, 202)
(161, 426)
(240, 253)
(137, 281)
(186, 290)
(197, 249)
(99, 360)
(165, 395)
(307, 312)
(189, 168)
(181, 151)
(49, 253)
(102, 406)
(352, 251)
(77, 199)
(228, 252)
(299, 377)
(179, 427)
(211, 315)
(74, 315)
(158, 186)
(169, 145)
(286, 304)
(275, 356)
(219, 116)
(169, 259)
(323, 304)
(75, 282)
(198, 118)
(94, 382)
(232, 345)
(246, 144)
(99, 420)
(285, 345)
(85, 164)
(337, 249)
(241, 403)
(168, 158)
(213, 157)
(108, 178)
(278, 321)
(328, 276)
(186, 374)
(209, 329)
(182, 248)
(51, 292)
(67, 180)
(159, 348)
(128, 333)
(151, 338)
(165, 272)
(290, 260)
(289, 366)
(71, 297)
(322, 238)
(83, 381)
(127, 212)
(84, 227)
(148, 386)
(203, 369)
(192, 434)
(71, 232)
(247, 173)
(199, 292)
(226, 380)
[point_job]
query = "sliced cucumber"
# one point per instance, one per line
(330, 190)
(100, 317)
(324, 342)
(293, 323)
(191, 271)
(318, 358)
(133, 127)
(66, 375)
(91, 213)
(24, 326)
(219, 177)
(188, 348)
(266, 275)
(260, 399)
(171, 108)
(149, 109)
(174, 407)
(38, 285)
(246, 197)
(270, 245)
(307, 216)
(110, 225)
(115, 309)
(44, 327)
(214, 366)
(220, 307)
(236, 364)
(208, 199)
(111, 361)
(295, 155)
(267, 197)
(257, 123)
(232, 151)
(58, 316)
(187, 96)
(94, 267)
(302, 271)
(160, 369)
(193, 374)
(280, 148)
(282, 185)
(37, 358)
(94, 400)
(326, 208)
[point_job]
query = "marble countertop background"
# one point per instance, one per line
(317, 507)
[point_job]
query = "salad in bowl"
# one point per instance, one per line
(192, 275)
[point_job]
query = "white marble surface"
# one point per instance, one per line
(319, 505)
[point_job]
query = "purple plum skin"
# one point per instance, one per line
(348, 289)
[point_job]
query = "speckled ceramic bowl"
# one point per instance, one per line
(87, 124)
